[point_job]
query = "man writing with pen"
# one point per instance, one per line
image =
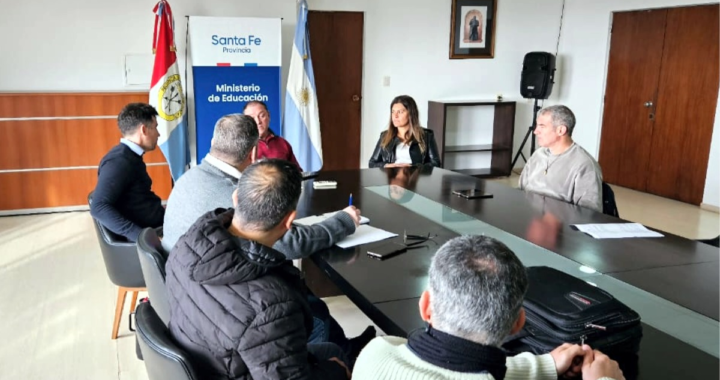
(212, 184)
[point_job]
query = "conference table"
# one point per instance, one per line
(672, 282)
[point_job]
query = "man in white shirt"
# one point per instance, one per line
(473, 302)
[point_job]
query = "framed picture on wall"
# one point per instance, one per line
(472, 29)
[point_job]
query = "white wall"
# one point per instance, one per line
(79, 45)
(584, 49)
(712, 181)
(408, 41)
(414, 53)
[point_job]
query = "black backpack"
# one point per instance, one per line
(560, 308)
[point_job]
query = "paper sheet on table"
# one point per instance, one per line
(617, 230)
(310, 220)
(365, 234)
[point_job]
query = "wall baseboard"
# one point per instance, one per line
(50, 210)
(44, 210)
(709, 207)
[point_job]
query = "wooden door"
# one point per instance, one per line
(336, 41)
(686, 104)
(636, 46)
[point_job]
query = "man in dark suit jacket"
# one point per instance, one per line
(123, 200)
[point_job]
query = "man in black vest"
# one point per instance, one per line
(123, 200)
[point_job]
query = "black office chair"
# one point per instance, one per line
(715, 242)
(609, 205)
(152, 260)
(164, 359)
(123, 268)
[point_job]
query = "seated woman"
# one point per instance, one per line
(405, 142)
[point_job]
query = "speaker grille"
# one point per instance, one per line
(538, 72)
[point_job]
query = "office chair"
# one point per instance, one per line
(715, 242)
(164, 359)
(152, 260)
(122, 266)
(609, 205)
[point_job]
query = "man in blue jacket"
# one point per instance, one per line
(123, 200)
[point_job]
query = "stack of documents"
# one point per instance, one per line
(617, 230)
(310, 220)
(363, 235)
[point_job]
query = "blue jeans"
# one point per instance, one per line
(325, 327)
(319, 333)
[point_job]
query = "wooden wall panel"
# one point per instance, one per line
(62, 188)
(66, 104)
(39, 144)
(75, 130)
(162, 180)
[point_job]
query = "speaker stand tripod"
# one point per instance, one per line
(529, 133)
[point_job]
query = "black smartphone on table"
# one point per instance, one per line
(472, 194)
(387, 250)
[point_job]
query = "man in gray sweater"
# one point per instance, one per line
(211, 184)
(562, 169)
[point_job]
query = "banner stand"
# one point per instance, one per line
(234, 61)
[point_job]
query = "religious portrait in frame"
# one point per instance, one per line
(472, 29)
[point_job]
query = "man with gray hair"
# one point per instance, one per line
(473, 302)
(211, 184)
(562, 169)
(237, 306)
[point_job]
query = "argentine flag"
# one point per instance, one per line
(301, 121)
(166, 93)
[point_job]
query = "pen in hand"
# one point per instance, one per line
(350, 202)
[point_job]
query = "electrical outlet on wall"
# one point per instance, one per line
(386, 81)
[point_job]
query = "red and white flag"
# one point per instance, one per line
(166, 93)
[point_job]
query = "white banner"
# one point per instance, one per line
(235, 41)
